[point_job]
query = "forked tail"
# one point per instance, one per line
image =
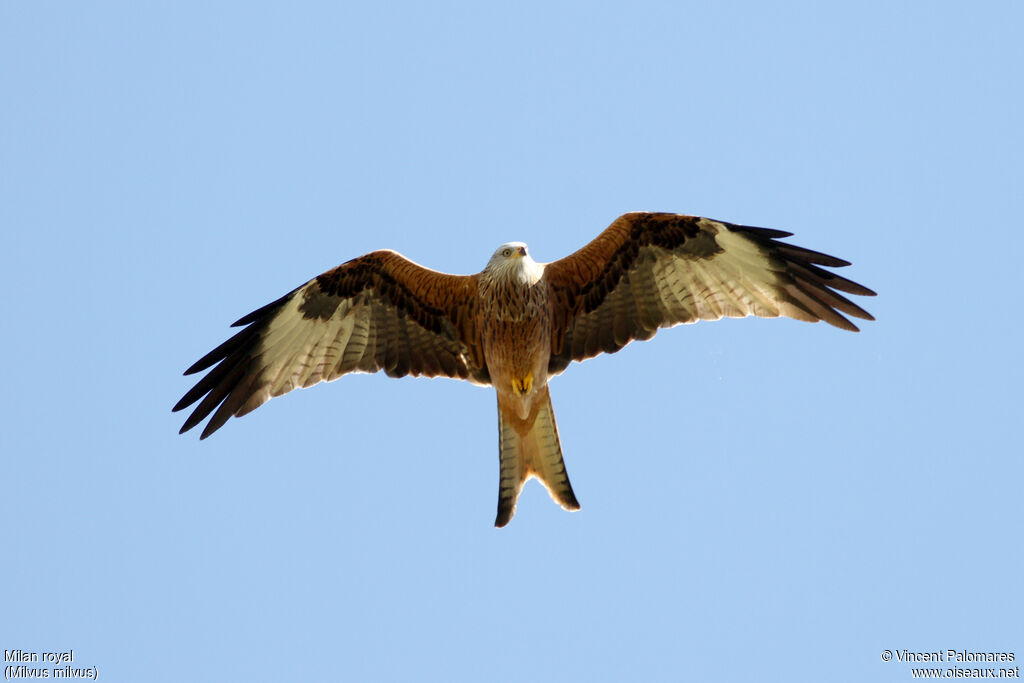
(530, 448)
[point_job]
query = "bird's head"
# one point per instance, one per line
(513, 260)
(508, 251)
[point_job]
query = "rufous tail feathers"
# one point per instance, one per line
(530, 448)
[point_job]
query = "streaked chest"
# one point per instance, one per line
(516, 321)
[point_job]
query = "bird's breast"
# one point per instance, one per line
(516, 326)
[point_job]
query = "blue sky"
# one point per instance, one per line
(762, 499)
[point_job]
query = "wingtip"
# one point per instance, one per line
(863, 315)
(187, 428)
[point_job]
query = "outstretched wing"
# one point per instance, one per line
(380, 311)
(653, 270)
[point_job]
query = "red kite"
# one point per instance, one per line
(517, 323)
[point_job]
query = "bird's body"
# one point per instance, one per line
(516, 327)
(516, 336)
(517, 323)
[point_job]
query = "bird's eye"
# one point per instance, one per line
(506, 252)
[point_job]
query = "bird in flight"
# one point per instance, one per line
(517, 323)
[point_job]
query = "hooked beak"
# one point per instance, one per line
(522, 251)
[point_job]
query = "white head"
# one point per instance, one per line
(513, 260)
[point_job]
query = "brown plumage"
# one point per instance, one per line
(517, 323)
